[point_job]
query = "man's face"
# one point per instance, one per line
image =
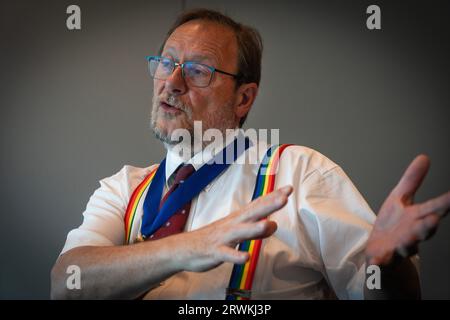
(176, 105)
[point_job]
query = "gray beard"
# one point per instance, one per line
(221, 121)
(165, 138)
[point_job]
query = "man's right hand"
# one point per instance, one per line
(121, 272)
(208, 247)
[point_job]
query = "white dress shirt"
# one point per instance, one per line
(317, 251)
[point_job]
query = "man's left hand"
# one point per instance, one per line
(401, 225)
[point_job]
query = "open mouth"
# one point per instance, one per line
(169, 108)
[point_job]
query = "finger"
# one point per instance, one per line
(407, 251)
(270, 228)
(265, 205)
(412, 178)
(432, 222)
(431, 232)
(439, 205)
(227, 254)
(425, 228)
(248, 231)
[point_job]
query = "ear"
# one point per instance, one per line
(246, 95)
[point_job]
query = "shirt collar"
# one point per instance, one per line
(174, 160)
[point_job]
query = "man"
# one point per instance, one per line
(319, 235)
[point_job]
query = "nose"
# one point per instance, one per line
(175, 84)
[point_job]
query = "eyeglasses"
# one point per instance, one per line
(195, 74)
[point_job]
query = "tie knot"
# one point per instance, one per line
(183, 173)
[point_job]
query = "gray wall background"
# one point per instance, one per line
(75, 105)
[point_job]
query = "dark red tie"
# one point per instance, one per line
(177, 221)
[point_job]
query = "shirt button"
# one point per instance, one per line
(183, 212)
(167, 224)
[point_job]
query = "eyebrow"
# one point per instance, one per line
(193, 58)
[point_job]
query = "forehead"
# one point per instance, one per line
(202, 40)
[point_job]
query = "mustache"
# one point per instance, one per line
(174, 102)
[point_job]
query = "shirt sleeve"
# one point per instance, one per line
(103, 220)
(342, 222)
